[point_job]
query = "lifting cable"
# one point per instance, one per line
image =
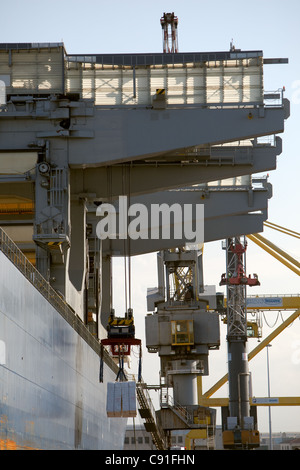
(128, 240)
(264, 317)
(126, 184)
(278, 314)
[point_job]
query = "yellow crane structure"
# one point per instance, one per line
(286, 302)
(276, 252)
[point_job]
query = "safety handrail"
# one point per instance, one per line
(17, 257)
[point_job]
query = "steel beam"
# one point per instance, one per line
(146, 177)
(254, 401)
(226, 213)
(126, 135)
(98, 136)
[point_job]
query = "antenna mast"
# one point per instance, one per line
(169, 23)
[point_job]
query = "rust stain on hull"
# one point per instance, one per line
(8, 444)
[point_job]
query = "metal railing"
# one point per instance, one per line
(167, 401)
(272, 295)
(16, 256)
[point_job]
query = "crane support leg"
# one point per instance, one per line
(239, 428)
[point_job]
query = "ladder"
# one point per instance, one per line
(147, 412)
(210, 440)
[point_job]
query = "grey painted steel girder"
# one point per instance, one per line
(121, 136)
(141, 178)
(226, 213)
(225, 162)
(93, 136)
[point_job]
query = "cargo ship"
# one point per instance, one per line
(51, 396)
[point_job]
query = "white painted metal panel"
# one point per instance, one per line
(128, 87)
(196, 85)
(108, 87)
(176, 86)
(35, 71)
(142, 83)
(73, 81)
(88, 84)
(211, 82)
(231, 81)
(214, 85)
(233, 84)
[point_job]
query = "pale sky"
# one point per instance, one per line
(96, 26)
